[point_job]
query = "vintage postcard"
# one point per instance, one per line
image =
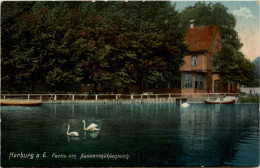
(130, 83)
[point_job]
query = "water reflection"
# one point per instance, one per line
(216, 126)
(93, 135)
(73, 109)
(72, 138)
(160, 134)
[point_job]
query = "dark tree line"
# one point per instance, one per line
(115, 44)
(57, 45)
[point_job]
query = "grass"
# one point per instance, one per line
(249, 99)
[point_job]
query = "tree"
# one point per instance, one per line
(256, 62)
(205, 13)
(233, 66)
(153, 40)
(57, 43)
(256, 81)
(36, 48)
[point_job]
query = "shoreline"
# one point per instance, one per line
(104, 101)
(129, 101)
(124, 98)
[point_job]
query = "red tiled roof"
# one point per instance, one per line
(199, 38)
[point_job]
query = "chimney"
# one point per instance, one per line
(192, 24)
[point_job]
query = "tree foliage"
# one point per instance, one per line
(233, 66)
(205, 13)
(115, 44)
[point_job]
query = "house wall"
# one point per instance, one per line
(209, 80)
(201, 63)
(214, 48)
(232, 88)
(224, 87)
(187, 91)
(214, 78)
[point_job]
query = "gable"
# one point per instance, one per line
(199, 39)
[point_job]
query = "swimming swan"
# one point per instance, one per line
(72, 134)
(91, 127)
(185, 104)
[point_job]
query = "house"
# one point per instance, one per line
(197, 73)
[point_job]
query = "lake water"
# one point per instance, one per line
(131, 135)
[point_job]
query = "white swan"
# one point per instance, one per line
(92, 127)
(185, 104)
(72, 134)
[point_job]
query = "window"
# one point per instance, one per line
(199, 82)
(194, 60)
(187, 80)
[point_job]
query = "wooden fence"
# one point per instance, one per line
(144, 96)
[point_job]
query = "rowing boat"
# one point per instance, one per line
(226, 100)
(10, 102)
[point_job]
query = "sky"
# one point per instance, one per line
(247, 17)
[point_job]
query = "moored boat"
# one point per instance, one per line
(10, 102)
(226, 100)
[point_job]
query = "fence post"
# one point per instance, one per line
(28, 97)
(96, 96)
(132, 96)
(116, 97)
(40, 97)
(73, 97)
(4, 96)
(55, 97)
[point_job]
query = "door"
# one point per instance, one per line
(216, 86)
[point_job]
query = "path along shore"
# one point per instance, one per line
(117, 98)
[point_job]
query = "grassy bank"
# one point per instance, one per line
(249, 99)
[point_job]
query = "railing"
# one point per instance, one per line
(189, 96)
